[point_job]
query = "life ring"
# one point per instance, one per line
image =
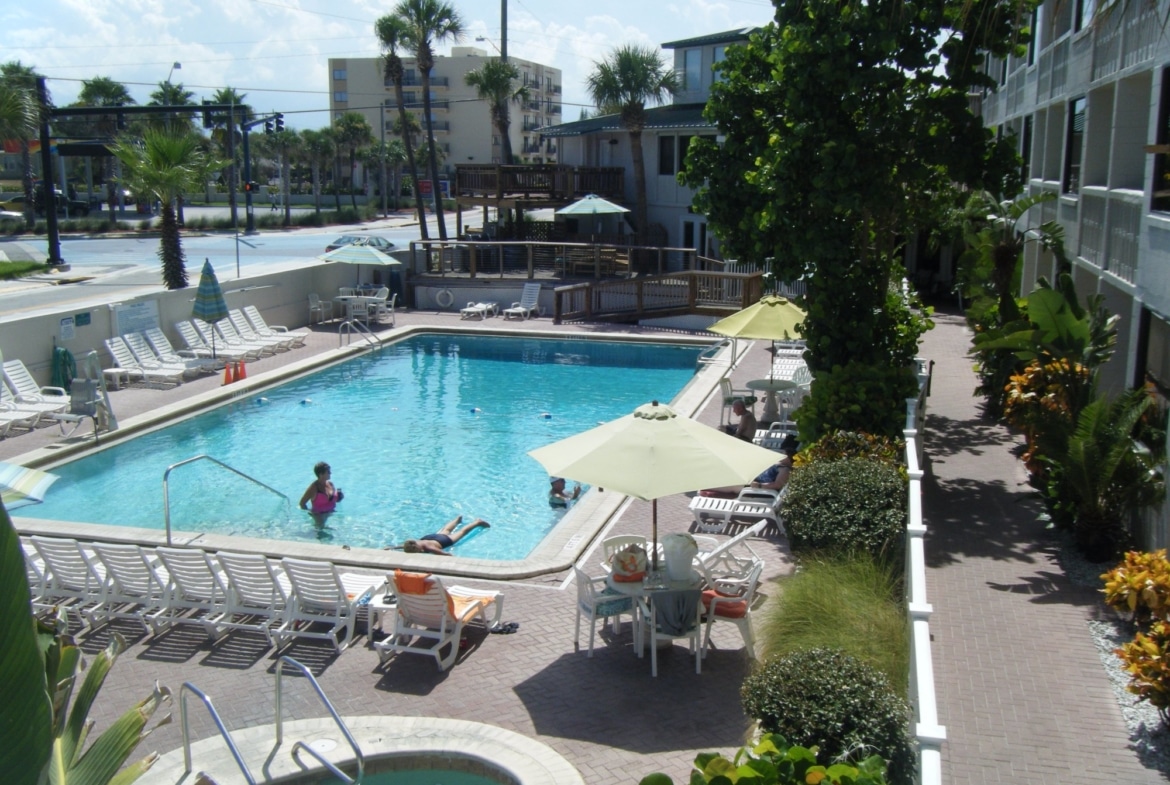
(444, 298)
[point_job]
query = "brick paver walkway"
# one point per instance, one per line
(1021, 688)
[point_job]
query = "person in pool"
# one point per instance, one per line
(321, 494)
(444, 538)
(558, 496)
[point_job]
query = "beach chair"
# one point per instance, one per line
(430, 617)
(13, 416)
(529, 304)
(163, 349)
(256, 600)
(598, 601)
(211, 336)
(279, 330)
(244, 330)
(322, 595)
(71, 576)
(195, 343)
(479, 311)
(149, 374)
(194, 594)
(227, 332)
(27, 394)
(715, 515)
(145, 354)
(135, 583)
(731, 602)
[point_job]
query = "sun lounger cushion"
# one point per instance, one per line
(729, 610)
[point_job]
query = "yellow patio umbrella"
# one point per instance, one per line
(654, 452)
(773, 318)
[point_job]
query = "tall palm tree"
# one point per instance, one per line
(18, 112)
(286, 145)
(391, 31)
(104, 91)
(164, 164)
(382, 158)
(430, 22)
(318, 147)
(25, 77)
(352, 133)
(625, 82)
(171, 94)
(224, 127)
(495, 82)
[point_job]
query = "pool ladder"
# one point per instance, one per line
(298, 746)
(351, 327)
(173, 466)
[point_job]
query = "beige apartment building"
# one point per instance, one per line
(462, 125)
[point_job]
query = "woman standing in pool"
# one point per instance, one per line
(321, 494)
(444, 538)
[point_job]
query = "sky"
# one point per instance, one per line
(277, 52)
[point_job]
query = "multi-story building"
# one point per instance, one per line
(462, 124)
(1089, 104)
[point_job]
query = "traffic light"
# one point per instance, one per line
(279, 122)
(249, 187)
(268, 126)
(207, 115)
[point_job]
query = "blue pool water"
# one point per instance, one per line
(427, 429)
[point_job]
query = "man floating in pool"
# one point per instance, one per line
(444, 538)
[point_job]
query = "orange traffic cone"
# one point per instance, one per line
(241, 373)
(228, 378)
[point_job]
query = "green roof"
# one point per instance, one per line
(658, 118)
(728, 37)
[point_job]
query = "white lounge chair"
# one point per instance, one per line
(529, 304)
(479, 311)
(15, 416)
(167, 353)
(195, 343)
(135, 583)
(719, 515)
(427, 611)
(279, 330)
(256, 600)
(146, 355)
(322, 595)
(70, 575)
(598, 601)
(195, 591)
(25, 389)
(227, 331)
(154, 374)
(246, 332)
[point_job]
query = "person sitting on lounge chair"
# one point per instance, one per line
(444, 538)
(773, 478)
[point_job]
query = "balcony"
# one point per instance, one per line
(553, 182)
(532, 125)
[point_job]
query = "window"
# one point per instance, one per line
(340, 96)
(1035, 30)
(1084, 13)
(720, 56)
(666, 155)
(692, 69)
(1160, 189)
(1074, 146)
(339, 74)
(683, 143)
(1026, 148)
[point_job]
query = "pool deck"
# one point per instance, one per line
(999, 599)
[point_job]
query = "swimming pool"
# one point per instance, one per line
(427, 429)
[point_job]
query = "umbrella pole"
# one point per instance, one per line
(654, 533)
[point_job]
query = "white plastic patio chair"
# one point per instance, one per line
(195, 592)
(729, 395)
(243, 328)
(135, 583)
(670, 615)
(153, 374)
(25, 389)
(430, 617)
(322, 309)
(71, 575)
(597, 601)
(731, 601)
(320, 595)
(256, 600)
(529, 304)
(226, 330)
(279, 330)
(195, 343)
(146, 355)
(611, 545)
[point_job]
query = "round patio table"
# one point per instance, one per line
(771, 387)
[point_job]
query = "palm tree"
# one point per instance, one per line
(18, 112)
(286, 145)
(164, 164)
(104, 91)
(391, 31)
(383, 157)
(14, 74)
(170, 94)
(352, 133)
(495, 83)
(429, 22)
(223, 130)
(319, 149)
(625, 82)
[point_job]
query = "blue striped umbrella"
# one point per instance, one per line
(20, 486)
(209, 302)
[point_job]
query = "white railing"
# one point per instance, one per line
(1092, 232)
(927, 730)
(1125, 225)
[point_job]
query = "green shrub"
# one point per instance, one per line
(852, 444)
(845, 505)
(850, 602)
(826, 699)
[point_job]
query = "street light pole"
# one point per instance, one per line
(382, 125)
(504, 30)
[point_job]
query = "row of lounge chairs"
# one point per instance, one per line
(219, 592)
(24, 404)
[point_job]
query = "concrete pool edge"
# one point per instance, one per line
(528, 761)
(556, 552)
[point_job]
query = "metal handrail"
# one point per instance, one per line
(361, 761)
(223, 731)
(354, 325)
(173, 466)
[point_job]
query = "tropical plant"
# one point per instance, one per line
(384, 159)
(773, 761)
(624, 82)
(1106, 472)
(319, 149)
(495, 82)
(24, 77)
(40, 666)
(286, 144)
(846, 505)
(171, 94)
(164, 165)
(1147, 661)
(842, 129)
(826, 700)
(851, 444)
(225, 131)
(1140, 585)
(392, 34)
(352, 133)
(104, 91)
(430, 22)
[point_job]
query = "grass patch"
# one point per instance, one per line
(10, 270)
(850, 602)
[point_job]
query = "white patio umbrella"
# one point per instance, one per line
(360, 254)
(654, 452)
(594, 205)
